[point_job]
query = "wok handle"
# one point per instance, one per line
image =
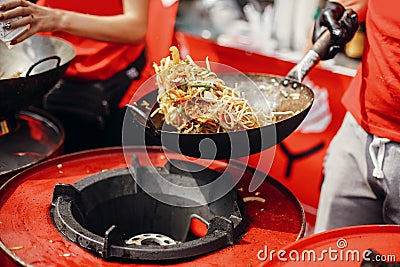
(322, 45)
(142, 118)
(311, 58)
(41, 61)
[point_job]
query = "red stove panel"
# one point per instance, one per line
(28, 235)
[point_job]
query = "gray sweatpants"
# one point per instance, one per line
(362, 180)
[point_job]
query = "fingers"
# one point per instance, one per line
(13, 4)
(333, 50)
(17, 13)
(329, 19)
(23, 21)
(331, 15)
(350, 23)
(332, 22)
(14, 9)
(341, 23)
(349, 26)
(25, 35)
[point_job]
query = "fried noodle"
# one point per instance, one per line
(194, 100)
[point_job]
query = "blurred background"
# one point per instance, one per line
(278, 28)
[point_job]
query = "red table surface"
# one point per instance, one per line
(27, 234)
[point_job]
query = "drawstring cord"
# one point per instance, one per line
(377, 159)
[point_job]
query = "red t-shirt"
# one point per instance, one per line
(374, 95)
(94, 59)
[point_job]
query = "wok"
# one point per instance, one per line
(38, 62)
(291, 94)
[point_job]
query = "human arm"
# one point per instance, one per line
(102, 28)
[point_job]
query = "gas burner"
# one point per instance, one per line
(273, 216)
(110, 215)
(30, 136)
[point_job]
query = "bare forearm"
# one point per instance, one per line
(359, 6)
(130, 27)
(117, 29)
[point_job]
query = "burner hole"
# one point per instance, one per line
(136, 225)
(113, 201)
(138, 213)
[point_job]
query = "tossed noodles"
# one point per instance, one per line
(194, 100)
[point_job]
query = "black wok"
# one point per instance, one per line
(38, 62)
(291, 94)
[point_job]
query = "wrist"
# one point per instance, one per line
(60, 20)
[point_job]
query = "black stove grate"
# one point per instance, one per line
(110, 215)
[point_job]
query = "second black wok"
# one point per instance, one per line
(29, 70)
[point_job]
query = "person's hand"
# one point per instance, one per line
(36, 17)
(342, 25)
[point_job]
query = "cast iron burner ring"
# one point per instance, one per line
(111, 216)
